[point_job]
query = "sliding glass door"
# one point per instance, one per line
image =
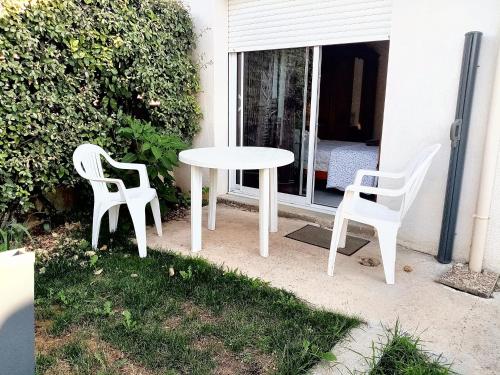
(274, 101)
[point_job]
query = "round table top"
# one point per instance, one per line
(237, 157)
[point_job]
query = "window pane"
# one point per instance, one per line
(276, 88)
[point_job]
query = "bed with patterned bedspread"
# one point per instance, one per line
(341, 160)
(346, 160)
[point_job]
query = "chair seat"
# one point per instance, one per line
(370, 212)
(134, 194)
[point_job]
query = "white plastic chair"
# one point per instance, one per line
(385, 220)
(87, 162)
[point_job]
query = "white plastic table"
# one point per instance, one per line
(265, 159)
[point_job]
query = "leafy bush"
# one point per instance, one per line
(158, 151)
(73, 71)
(12, 235)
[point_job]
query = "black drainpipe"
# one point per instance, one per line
(458, 135)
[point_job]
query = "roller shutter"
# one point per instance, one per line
(273, 24)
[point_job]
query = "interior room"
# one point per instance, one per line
(350, 117)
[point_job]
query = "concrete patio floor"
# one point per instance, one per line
(465, 328)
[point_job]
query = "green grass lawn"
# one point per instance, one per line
(112, 312)
(404, 355)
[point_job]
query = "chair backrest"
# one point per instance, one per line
(415, 174)
(87, 162)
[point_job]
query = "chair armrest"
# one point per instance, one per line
(367, 172)
(119, 183)
(374, 190)
(141, 168)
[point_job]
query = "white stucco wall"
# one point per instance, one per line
(424, 67)
(210, 22)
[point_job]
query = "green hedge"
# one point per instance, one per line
(73, 71)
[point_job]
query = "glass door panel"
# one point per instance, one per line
(274, 105)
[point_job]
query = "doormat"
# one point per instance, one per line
(322, 237)
(480, 284)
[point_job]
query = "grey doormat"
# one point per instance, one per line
(321, 237)
(480, 284)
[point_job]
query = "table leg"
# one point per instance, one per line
(212, 199)
(196, 186)
(264, 211)
(273, 220)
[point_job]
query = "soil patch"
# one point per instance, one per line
(249, 362)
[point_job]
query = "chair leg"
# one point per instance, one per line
(387, 239)
(138, 214)
(337, 229)
(155, 208)
(212, 199)
(96, 224)
(113, 214)
(343, 234)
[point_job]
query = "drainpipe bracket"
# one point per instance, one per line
(480, 217)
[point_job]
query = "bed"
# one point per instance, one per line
(338, 161)
(323, 151)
